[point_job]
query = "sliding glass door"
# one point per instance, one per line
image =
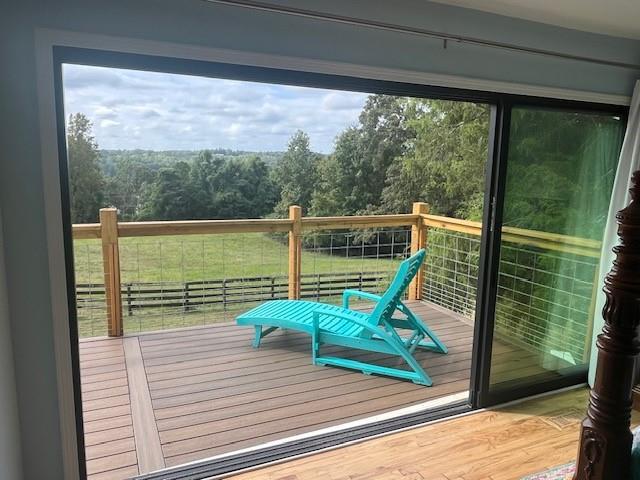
(560, 168)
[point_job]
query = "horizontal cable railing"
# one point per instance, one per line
(173, 274)
(451, 271)
(374, 252)
(544, 291)
(134, 276)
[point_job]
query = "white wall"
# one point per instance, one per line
(198, 23)
(10, 461)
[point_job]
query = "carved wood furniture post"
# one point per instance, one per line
(605, 439)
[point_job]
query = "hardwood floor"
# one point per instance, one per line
(166, 398)
(504, 444)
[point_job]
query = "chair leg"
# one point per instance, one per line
(261, 334)
(422, 376)
(417, 376)
(315, 347)
(392, 347)
(435, 344)
(258, 337)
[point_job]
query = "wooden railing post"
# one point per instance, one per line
(295, 251)
(418, 241)
(111, 266)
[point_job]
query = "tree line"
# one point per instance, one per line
(400, 151)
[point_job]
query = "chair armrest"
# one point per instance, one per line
(347, 294)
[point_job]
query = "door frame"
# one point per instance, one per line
(53, 149)
(491, 247)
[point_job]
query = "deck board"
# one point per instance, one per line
(110, 444)
(148, 449)
(210, 392)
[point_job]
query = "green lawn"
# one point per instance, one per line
(197, 257)
(183, 258)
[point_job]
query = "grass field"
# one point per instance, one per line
(205, 257)
(198, 257)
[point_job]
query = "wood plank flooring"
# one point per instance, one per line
(213, 393)
(209, 392)
(503, 444)
(149, 451)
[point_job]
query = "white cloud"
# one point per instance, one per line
(341, 101)
(233, 130)
(108, 123)
(149, 110)
(104, 111)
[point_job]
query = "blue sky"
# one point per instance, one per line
(158, 111)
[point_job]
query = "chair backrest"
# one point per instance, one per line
(387, 305)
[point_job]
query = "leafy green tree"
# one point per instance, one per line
(240, 188)
(561, 171)
(352, 180)
(85, 176)
(211, 188)
(203, 169)
(326, 199)
(444, 164)
(170, 197)
(126, 184)
(295, 174)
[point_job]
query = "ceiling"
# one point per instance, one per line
(620, 18)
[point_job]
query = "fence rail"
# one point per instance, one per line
(226, 292)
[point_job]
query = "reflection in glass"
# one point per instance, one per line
(560, 172)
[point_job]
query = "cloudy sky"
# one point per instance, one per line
(157, 111)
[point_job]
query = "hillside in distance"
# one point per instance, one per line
(156, 159)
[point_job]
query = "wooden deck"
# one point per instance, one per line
(166, 398)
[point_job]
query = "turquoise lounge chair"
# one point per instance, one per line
(375, 331)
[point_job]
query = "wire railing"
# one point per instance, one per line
(373, 254)
(451, 271)
(170, 281)
(179, 274)
(544, 297)
(91, 308)
(174, 281)
(545, 300)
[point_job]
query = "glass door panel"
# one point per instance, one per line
(560, 171)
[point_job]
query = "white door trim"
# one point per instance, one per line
(55, 250)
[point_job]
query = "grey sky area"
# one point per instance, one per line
(159, 111)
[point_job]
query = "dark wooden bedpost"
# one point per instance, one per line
(605, 438)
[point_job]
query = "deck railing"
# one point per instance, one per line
(448, 278)
(110, 231)
(545, 290)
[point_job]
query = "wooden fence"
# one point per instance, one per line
(109, 230)
(227, 292)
